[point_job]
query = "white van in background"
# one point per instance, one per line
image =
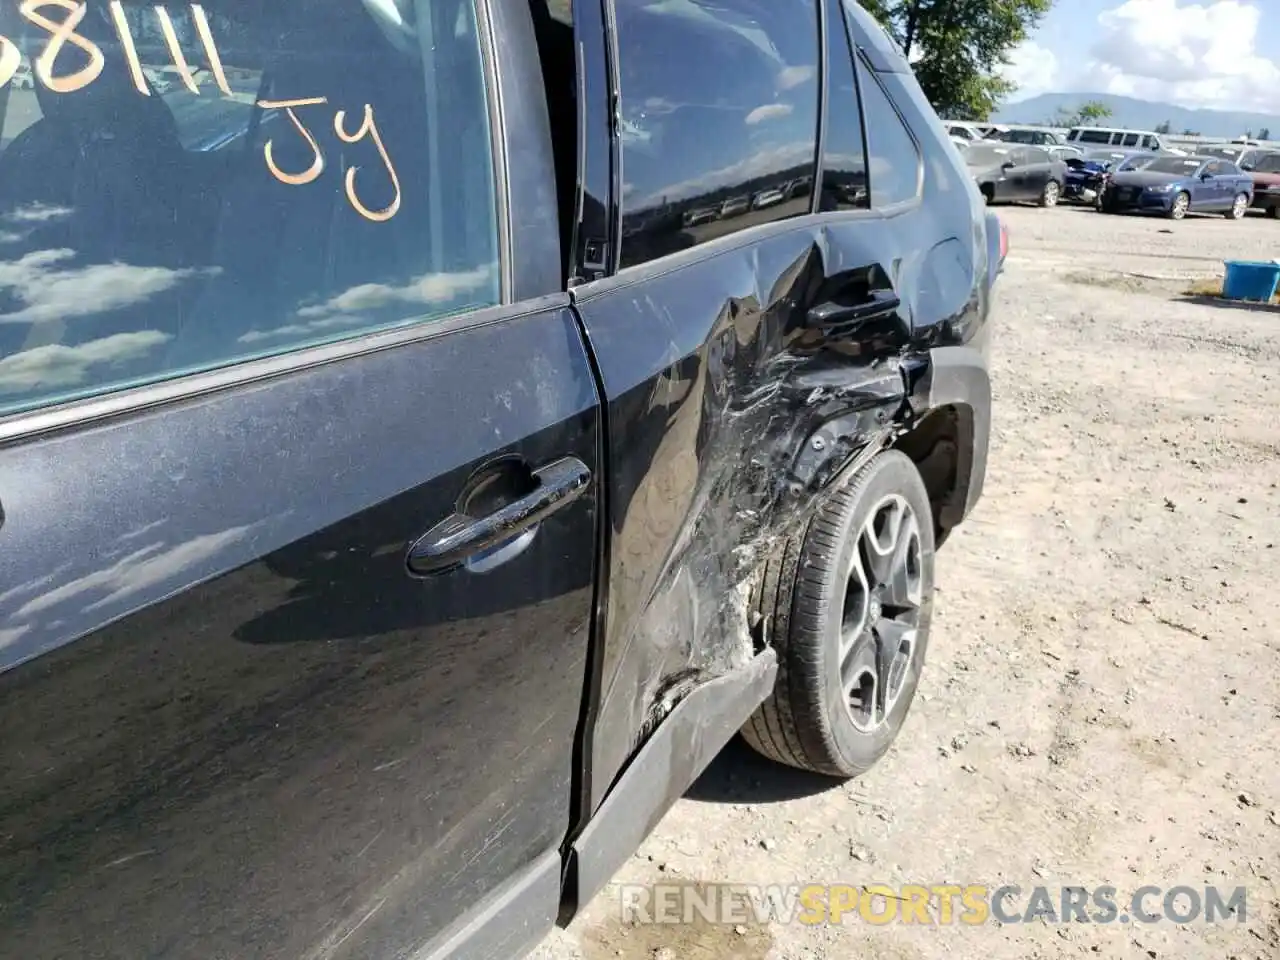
(1115, 137)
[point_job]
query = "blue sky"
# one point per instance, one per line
(1210, 53)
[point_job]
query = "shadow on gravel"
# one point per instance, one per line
(1221, 304)
(740, 775)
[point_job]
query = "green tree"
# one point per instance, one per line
(1264, 133)
(957, 47)
(1164, 127)
(1088, 114)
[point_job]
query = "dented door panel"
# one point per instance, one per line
(728, 418)
(730, 415)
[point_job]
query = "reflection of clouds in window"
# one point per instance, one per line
(52, 293)
(758, 164)
(720, 17)
(56, 366)
(792, 77)
(352, 306)
(38, 213)
(770, 111)
(140, 571)
(11, 635)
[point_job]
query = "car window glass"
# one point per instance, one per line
(1036, 155)
(718, 118)
(1182, 166)
(1268, 164)
(1228, 169)
(984, 155)
(844, 161)
(320, 172)
(892, 155)
(1130, 140)
(1094, 136)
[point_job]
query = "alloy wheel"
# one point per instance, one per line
(881, 615)
(1180, 204)
(1238, 206)
(1051, 193)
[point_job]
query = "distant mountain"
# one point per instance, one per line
(1141, 114)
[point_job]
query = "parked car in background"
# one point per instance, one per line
(1176, 186)
(1087, 175)
(1266, 184)
(1065, 151)
(1036, 136)
(390, 534)
(1011, 173)
(1115, 137)
(1243, 155)
(970, 132)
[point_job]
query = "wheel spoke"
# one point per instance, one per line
(857, 601)
(860, 681)
(895, 645)
(901, 590)
(880, 536)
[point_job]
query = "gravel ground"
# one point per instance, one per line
(1102, 699)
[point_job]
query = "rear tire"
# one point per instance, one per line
(1051, 194)
(854, 601)
(1238, 207)
(1273, 212)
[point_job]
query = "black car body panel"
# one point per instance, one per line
(395, 643)
(728, 417)
(262, 712)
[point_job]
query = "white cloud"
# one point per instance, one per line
(53, 293)
(140, 571)
(1033, 68)
(790, 77)
(56, 366)
(1191, 54)
(347, 309)
(770, 111)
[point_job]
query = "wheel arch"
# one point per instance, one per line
(948, 440)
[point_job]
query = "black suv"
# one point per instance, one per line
(431, 429)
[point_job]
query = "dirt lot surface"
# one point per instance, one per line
(1102, 700)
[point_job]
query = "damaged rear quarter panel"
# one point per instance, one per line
(727, 419)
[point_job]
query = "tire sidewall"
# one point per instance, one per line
(889, 473)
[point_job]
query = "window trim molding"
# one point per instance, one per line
(824, 106)
(916, 199)
(529, 255)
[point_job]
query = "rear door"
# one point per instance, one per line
(748, 359)
(1211, 188)
(1036, 171)
(298, 459)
